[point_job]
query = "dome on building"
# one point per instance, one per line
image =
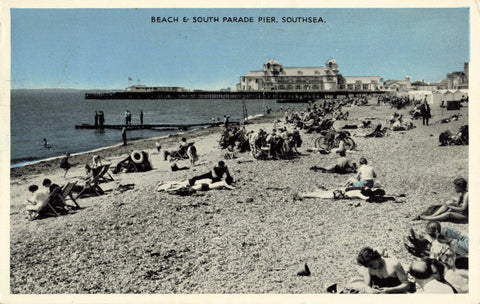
(272, 62)
(331, 60)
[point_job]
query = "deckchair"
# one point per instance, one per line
(92, 187)
(67, 193)
(52, 203)
(132, 167)
(104, 175)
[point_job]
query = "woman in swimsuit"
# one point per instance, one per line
(382, 275)
(456, 210)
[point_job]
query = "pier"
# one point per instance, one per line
(162, 127)
(282, 95)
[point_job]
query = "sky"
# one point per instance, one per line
(104, 48)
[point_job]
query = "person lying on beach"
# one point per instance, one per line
(200, 185)
(365, 175)
(366, 194)
(428, 277)
(215, 175)
(455, 210)
(343, 166)
(378, 132)
(381, 274)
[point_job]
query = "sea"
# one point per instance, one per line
(36, 115)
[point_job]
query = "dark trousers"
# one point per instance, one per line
(425, 120)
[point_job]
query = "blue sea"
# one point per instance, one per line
(52, 115)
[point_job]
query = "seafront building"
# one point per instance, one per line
(276, 77)
(458, 80)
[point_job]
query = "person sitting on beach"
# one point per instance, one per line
(365, 175)
(47, 183)
(428, 277)
(96, 161)
(420, 245)
(182, 150)
(135, 161)
(381, 274)
(37, 202)
(455, 210)
(216, 174)
(341, 143)
(343, 166)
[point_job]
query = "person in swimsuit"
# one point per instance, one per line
(382, 275)
(215, 175)
(456, 210)
(343, 166)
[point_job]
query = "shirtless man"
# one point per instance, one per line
(365, 175)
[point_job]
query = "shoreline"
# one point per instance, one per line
(36, 166)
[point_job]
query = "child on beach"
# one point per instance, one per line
(64, 164)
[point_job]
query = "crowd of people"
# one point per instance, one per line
(440, 266)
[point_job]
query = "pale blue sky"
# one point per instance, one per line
(102, 48)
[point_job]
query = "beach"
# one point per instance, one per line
(250, 240)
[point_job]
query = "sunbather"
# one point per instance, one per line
(343, 166)
(454, 210)
(381, 274)
(184, 187)
(216, 174)
(182, 149)
(365, 175)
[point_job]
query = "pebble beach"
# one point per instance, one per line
(250, 240)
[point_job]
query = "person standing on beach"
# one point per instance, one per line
(124, 135)
(96, 119)
(64, 164)
(425, 111)
(126, 118)
(141, 117)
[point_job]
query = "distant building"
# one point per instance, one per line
(398, 85)
(357, 83)
(458, 80)
(142, 88)
(276, 77)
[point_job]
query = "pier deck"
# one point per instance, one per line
(149, 126)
